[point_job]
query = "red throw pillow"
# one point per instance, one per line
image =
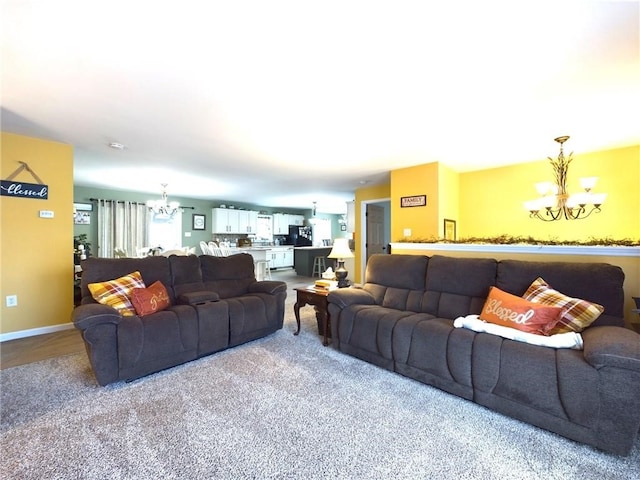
(151, 299)
(508, 310)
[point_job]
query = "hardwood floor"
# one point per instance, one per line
(41, 347)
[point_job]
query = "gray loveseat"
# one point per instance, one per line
(402, 320)
(216, 303)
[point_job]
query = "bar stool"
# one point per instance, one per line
(318, 266)
(263, 270)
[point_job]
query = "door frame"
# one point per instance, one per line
(363, 231)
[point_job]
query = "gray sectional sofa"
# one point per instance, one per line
(402, 320)
(216, 303)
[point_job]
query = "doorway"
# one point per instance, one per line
(375, 223)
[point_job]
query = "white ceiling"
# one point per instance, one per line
(282, 103)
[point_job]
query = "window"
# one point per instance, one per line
(165, 232)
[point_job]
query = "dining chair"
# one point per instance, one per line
(205, 248)
(225, 249)
(215, 249)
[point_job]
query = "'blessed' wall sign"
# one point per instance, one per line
(12, 188)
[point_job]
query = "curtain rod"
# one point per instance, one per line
(137, 203)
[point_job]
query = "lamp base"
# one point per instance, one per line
(341, 275)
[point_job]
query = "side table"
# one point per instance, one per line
(318, 298)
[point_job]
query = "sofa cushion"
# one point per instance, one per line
(186, 275)
(576, 315)
(515, 276)
(228, 276)
(96, 269)
(151, 299)
(116, 293)
(457, 286)
(507, 310)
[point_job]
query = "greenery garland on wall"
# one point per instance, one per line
(520, 240)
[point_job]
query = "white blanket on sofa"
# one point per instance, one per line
(560, 340)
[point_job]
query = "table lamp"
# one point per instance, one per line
(340, 251)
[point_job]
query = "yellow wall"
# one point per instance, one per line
(36, 254)
(449, 197)
(422, 221)
(491, 200)
(489, 203)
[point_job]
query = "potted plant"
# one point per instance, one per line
(81, 248)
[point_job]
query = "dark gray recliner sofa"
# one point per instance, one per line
(402, 320)
(216, 303)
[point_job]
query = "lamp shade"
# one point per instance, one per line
(340, 249)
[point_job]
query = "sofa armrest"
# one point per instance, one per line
(195, 298)
(271, 287)
(612, 347)
(344, 297)
(92, 314)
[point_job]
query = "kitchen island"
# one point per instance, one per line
(278, 256)
(303, 259)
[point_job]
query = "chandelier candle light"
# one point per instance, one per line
(555, 202)
(163, 209)
(340, 251)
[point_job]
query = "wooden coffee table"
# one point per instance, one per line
(318, 298)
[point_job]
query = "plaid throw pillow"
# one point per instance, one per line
(116, 293)
(576, 314)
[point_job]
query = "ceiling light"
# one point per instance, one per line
(555, 202)
(117, 146)
(162, 209)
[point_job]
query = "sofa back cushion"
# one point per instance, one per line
(228, 276)
(96, 270)
(599, 283)
(457, 286)
(186, 275)
(396, 281)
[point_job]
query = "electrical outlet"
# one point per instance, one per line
(12, 300)
(46, 214)
(407, 232)
(187, 234)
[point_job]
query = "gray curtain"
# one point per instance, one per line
(123, 226)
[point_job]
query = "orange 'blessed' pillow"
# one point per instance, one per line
(508, 310)
(150, 300)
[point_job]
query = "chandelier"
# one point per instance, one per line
(162, 208)
(555, 202)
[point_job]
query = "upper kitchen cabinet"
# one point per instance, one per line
(228, 220)
(281, 222)
(247, 221)
(296, 220)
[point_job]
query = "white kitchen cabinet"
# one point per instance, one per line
(296, 220)
(247, 221)
(224, 220)
(228, 220)
(281, 257)
(280, 224)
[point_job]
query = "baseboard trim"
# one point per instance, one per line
(32, 332)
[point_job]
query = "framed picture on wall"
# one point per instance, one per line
(199, 221)
(82, 218)
(449, 229)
